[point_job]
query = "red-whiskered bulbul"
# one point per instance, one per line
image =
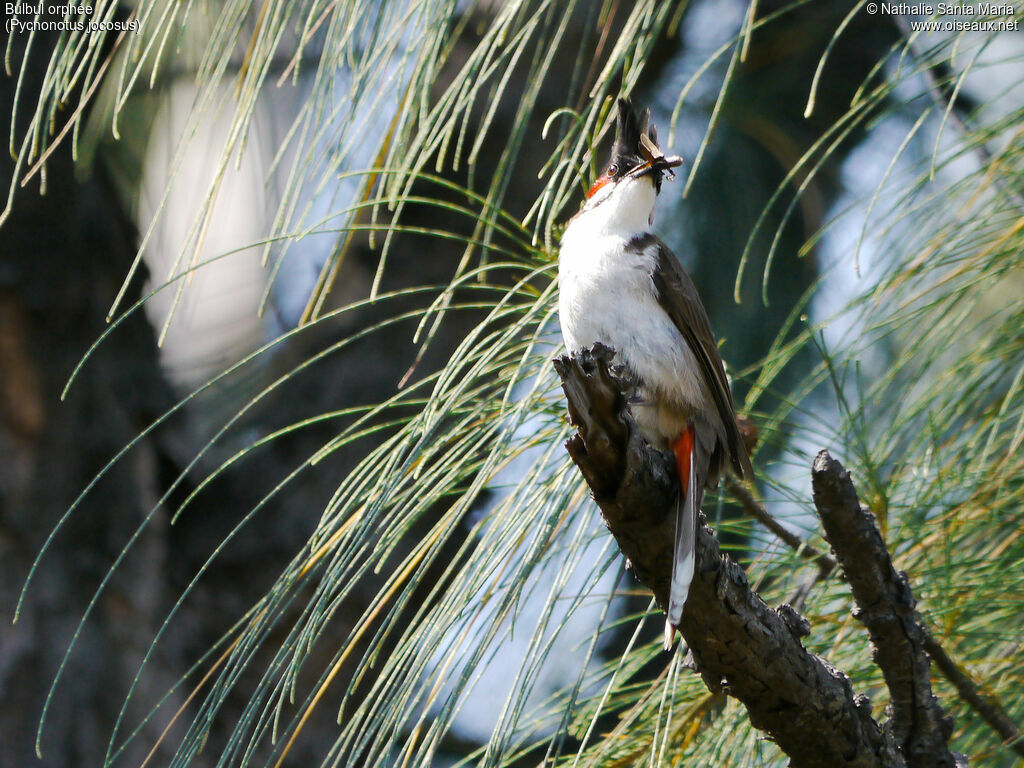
(620, 285)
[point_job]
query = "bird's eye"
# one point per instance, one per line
(612, 170)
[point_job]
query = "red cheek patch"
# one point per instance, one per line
(601, 181)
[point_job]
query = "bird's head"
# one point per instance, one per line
(636, 164)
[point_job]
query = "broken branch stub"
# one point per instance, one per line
(739, 643)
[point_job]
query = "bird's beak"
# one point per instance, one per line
(655, 161)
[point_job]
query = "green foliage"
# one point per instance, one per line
(918, 387)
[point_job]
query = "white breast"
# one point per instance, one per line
(607, 294)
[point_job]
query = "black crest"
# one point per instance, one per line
(626, 151)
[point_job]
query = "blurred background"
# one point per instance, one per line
(282, 250)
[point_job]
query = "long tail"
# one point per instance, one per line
(691, 493)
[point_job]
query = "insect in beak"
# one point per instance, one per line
(655, 160)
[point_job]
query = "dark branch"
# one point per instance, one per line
(741, 646)
(987, 708)
(825, 562)
(886, 607)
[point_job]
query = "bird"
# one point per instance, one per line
(620, 285)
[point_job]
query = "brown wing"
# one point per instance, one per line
(678, 297)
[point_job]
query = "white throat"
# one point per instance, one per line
(627, 208)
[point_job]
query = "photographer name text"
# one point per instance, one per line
(951, 17)
(946, 9)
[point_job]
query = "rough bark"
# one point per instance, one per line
(740, 644)
(886, 608)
